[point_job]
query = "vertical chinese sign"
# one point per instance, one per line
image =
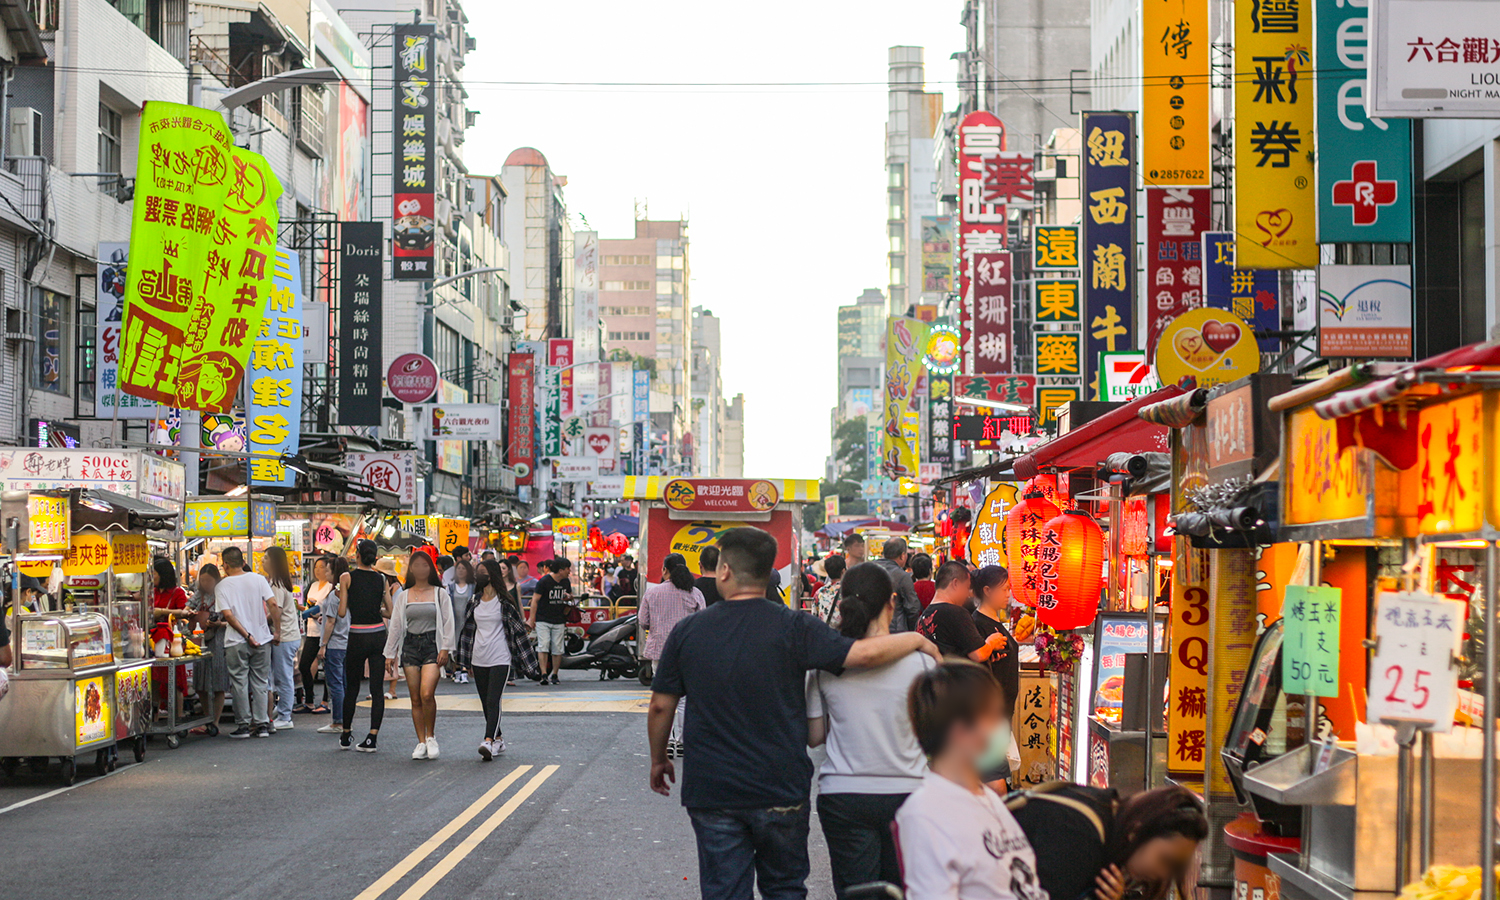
(1108, 234)
(1275, 202)
(521, 433)
(903, 371)
(1175, 220)
(937, 255)
(991, 285)
(109, 306)
(203, 231)
(414, 171)
(360, 325)
(1187, 706)
(981, 224)
(586, 319)
(1364, 164)
(273, 407)
(1174, 93)
(1251, 294)
(940, 418)
(640, 411)
(560, 355)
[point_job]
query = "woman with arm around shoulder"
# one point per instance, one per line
(492, 642)
(420, 639)
(363, 598)
(662, 607)
(873, 759)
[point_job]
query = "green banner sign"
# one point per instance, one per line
(202, 250)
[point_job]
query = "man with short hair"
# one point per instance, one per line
(748, 777)
(460, 554)
(708, 583)
(908, 607)
(947, 622)
(241, 598)
(854, 550)
(550, 602)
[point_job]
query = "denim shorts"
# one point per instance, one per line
(419, 649)
(550, 637)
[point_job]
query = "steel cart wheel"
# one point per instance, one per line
(69, 771)
(174, 741)
(140, 749)
(101, 762)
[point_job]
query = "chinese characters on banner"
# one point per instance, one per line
(461, 422)
(981, 223)
(203, 230)
(1051, 394)
(1310, 640)
(1108, 234)
(1057, 301)
(1364, 164)
(1019, 389)
(586, 317)
(273, 408)
(903, 371)
(521, 433)
(1187, 706)
(1035, 737)
(1275, 203)
(937, 255)
(1251, 294)
(991, 285)
(360, 320)
(940, 418)
(414, 171)
(1175, 219)
(1231, 633)
(109, 306)
(391, 471)
(640, 409)
(1056, 248)
(1174, 92)
(560, 354)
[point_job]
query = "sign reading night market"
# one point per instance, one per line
(273, 415)
(1275, 201)
(981, 219)
(1251, 294)
(360, 322)
(1364, 163)
(203, 232)
(992, 288)
(1174, 92)
(1108, 239)
(414, 170)
(1433, 59)
(1175, 219)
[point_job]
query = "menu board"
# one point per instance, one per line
(1116, 635)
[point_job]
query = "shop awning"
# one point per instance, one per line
(323, 476)
(839, 529)
(1119, 430)
(1368, 396)
(107, 510)
(630, 526)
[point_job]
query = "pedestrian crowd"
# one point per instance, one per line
(907, 676)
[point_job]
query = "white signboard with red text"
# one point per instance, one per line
(395, 472)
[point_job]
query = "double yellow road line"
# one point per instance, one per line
(432, 876)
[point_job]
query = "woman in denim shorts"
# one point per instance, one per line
(420, 639)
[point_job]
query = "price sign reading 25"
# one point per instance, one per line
(1413, 678)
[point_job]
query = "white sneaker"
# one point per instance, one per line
(432, 748)
(420, 752)
(331, 728)
(280, 724)
(498, 745)
(486, 751)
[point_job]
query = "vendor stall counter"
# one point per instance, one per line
(62, 697)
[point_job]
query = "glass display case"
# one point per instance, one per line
(64, 643)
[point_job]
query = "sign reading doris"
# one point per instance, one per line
(720, 495)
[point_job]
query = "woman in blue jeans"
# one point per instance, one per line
(874, 761)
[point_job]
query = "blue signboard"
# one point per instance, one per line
(1364, 164)
(1251, 294)
(1109, 161)
(273, 386)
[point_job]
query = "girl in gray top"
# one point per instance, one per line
(420, 637)
(461, 590)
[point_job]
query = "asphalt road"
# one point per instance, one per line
(565, 813)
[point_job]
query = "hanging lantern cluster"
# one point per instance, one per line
(617, 544)
(1071, 559)
(1023, 538)
(596, 540)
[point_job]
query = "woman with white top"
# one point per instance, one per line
(661, 608)
(492, 643)
(288, 635)
(420, 637)
(958, 841)
(873, 758)
(308, 661)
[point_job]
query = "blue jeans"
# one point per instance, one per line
(740, 849)
(333, 675)
(283, 671)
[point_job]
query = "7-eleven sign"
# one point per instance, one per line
(1124, 375)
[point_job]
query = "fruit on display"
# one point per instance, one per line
(1025, 628)
(1446, 883)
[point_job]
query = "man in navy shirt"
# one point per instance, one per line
(743, 662)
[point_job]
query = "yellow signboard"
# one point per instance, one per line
(93, 711)
(1187, 707)
(452, 534)
(987, 536)
(1275, 198)
(1212, 346)
(1231, 606)
(49, 523)
(1450, 491)
(88, 554)
(569, 529)
(1174, 94)
(129, 553)
(903, 371)
(1323, 484)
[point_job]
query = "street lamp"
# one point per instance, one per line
(280, 82)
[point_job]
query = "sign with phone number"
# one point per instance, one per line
(229, 518)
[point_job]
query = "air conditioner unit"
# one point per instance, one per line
(25, 131)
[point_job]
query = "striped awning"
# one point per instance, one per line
(649, 487)
(1347, 403)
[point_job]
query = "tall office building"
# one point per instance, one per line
(708, 395)
(541, 245)
(912, 118)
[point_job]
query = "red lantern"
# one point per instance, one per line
(618, 544)
(1023, 537)
(596, 540)
(1045, 482)
(1072, 562)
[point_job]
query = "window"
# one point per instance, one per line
(898, 175)
(630, 336)
(54, 341)
(445, 346)
(629, 260)
(628, 310)
(626, 286)
(110, 141)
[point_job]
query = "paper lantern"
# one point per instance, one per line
(1046, 482)
(618, 544)
(596, 540)
(1072, 571)
(1023, 537)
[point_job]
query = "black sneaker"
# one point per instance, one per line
(346, 740)
(263, 731)
(367, 745)
(241, 732)
(555, 679)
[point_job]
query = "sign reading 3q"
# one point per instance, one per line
(1214, 346)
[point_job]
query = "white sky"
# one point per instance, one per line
(784, 187)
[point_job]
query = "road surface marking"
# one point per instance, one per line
(476, 837)
(400, 869)
(63, 790)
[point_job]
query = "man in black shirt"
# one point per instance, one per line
(747, 778)
(707, 583)
(947, 623)
(550, 602)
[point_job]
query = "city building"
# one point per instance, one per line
(912, 118)
(708, 395)
(1033, 58)
(734, 438)
(541, 239)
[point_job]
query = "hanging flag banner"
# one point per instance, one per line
(521, 430)
(939, 418)
(109, 311)
(937, 255)
(550, 427)
(1364, 164)
(360, 322)
(1108, 233)
(992, 323)
(1057, 301)
(273, 408)
(905, 338)
(203, 230)
(981, 222)
(1174, 92)
(560, 355)
(1175, 219)
(1251, 294)
(1056, 248)
(414, 169)
(1275, 203)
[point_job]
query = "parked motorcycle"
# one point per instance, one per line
(609, 647)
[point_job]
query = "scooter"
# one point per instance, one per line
(610, 648)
